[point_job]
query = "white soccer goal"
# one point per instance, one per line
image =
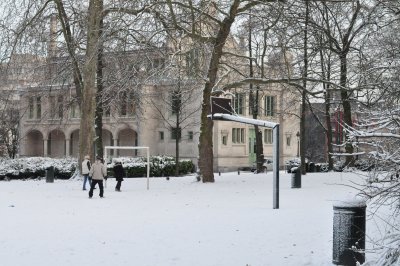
(106, 148)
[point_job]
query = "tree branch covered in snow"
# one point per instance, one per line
(377, 134)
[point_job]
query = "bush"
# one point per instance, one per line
(35, 167)
(186, 167)
(159, 166)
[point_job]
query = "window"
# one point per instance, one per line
(269, 105)
(237, 135)
(35, 108)
(127, 108)
(56, 107)
(192, 62)
(268, 136)
(190, 135)
(31, 107)
(123, 110)
(53, 105)
(238, 103)
(176, 102)
(288, 140)
(161, 134)
(175, 133)
(75, 112)
(224, 140)
(38, 107)
(107, 108)
(60, 106)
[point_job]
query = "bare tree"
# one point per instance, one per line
(220, 18)
(172, 71)
(376, 136)
(88, 105)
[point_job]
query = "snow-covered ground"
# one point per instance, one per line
(176, 222)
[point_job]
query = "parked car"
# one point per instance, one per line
(267, 165)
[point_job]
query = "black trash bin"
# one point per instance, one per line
(311, 167)
(296, 177)
(50, 174)
(349, 233)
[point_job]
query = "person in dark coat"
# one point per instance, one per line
(119, 174)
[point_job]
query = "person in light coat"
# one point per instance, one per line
(86, 165)
(98, 172)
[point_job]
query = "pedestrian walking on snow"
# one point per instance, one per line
(86, 165)
(119, 174)
(98, 172)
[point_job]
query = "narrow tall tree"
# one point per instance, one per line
(88, 106)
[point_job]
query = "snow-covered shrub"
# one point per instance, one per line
(34, 167)
(391, 253)
(376, 136)
(159, 166)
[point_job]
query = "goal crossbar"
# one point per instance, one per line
(275, 149)
(106, 148)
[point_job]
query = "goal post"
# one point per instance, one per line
(106, 148)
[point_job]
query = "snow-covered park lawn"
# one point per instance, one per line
(176, 222)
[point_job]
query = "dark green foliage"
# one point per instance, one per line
(136, 171)
(186, 167)
(159, 166)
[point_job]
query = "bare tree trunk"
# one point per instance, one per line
(346, 104)
(303, 97)
(253, 100)
(328, 128)
(206, 160)
(178, 135)
(326, 75)
(86, 133)
(99, 104)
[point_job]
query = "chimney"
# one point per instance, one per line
(52, 44)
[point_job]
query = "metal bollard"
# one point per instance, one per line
(349, 233)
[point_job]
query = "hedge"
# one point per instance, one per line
(35, 167)
(159, 166)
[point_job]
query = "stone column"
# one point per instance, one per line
(67, 147)
(45, 147)
(115, 153)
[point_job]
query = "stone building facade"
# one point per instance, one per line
(50, 115)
